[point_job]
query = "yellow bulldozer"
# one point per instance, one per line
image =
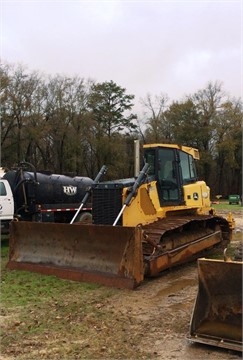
(140, 226)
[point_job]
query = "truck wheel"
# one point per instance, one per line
(84, 217)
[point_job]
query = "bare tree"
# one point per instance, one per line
(157, 129)
(17, 112)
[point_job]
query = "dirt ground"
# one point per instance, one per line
(165, 306)
(159, 313)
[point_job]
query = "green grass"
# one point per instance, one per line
(224, 205)
(49, 318)
(21, 288)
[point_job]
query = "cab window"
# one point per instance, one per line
(166, 164)
(187, 167)
(150, 159)
(3, 191)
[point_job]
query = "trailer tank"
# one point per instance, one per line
(47, 197)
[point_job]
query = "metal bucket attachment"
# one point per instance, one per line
(108, 255)
(217, 314)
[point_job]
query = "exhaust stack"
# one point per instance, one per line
(136, 158)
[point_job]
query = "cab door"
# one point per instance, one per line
(169, 180)
(6, 201)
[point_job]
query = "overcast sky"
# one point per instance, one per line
(171, 47)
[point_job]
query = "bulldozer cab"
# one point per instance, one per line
(171, 168)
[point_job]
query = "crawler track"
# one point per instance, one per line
(174, 240)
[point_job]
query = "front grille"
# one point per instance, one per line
(107, 203)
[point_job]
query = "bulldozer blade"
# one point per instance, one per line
(217, 314)
(102, 254)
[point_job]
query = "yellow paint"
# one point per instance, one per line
(145, 208)
(189, 150)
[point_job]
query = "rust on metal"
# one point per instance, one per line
(176, 240)
(79, 252)
(182, 254)
(217, 314)
(112, 255)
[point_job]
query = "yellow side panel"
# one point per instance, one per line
(146, 203)
(142, 209)
(145, 207)
(197, 195)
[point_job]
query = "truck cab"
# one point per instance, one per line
(6, 205)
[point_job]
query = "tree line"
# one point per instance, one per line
(72, 125)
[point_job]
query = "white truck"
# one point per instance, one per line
(6, 205)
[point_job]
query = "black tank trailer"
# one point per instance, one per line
(48, 197)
